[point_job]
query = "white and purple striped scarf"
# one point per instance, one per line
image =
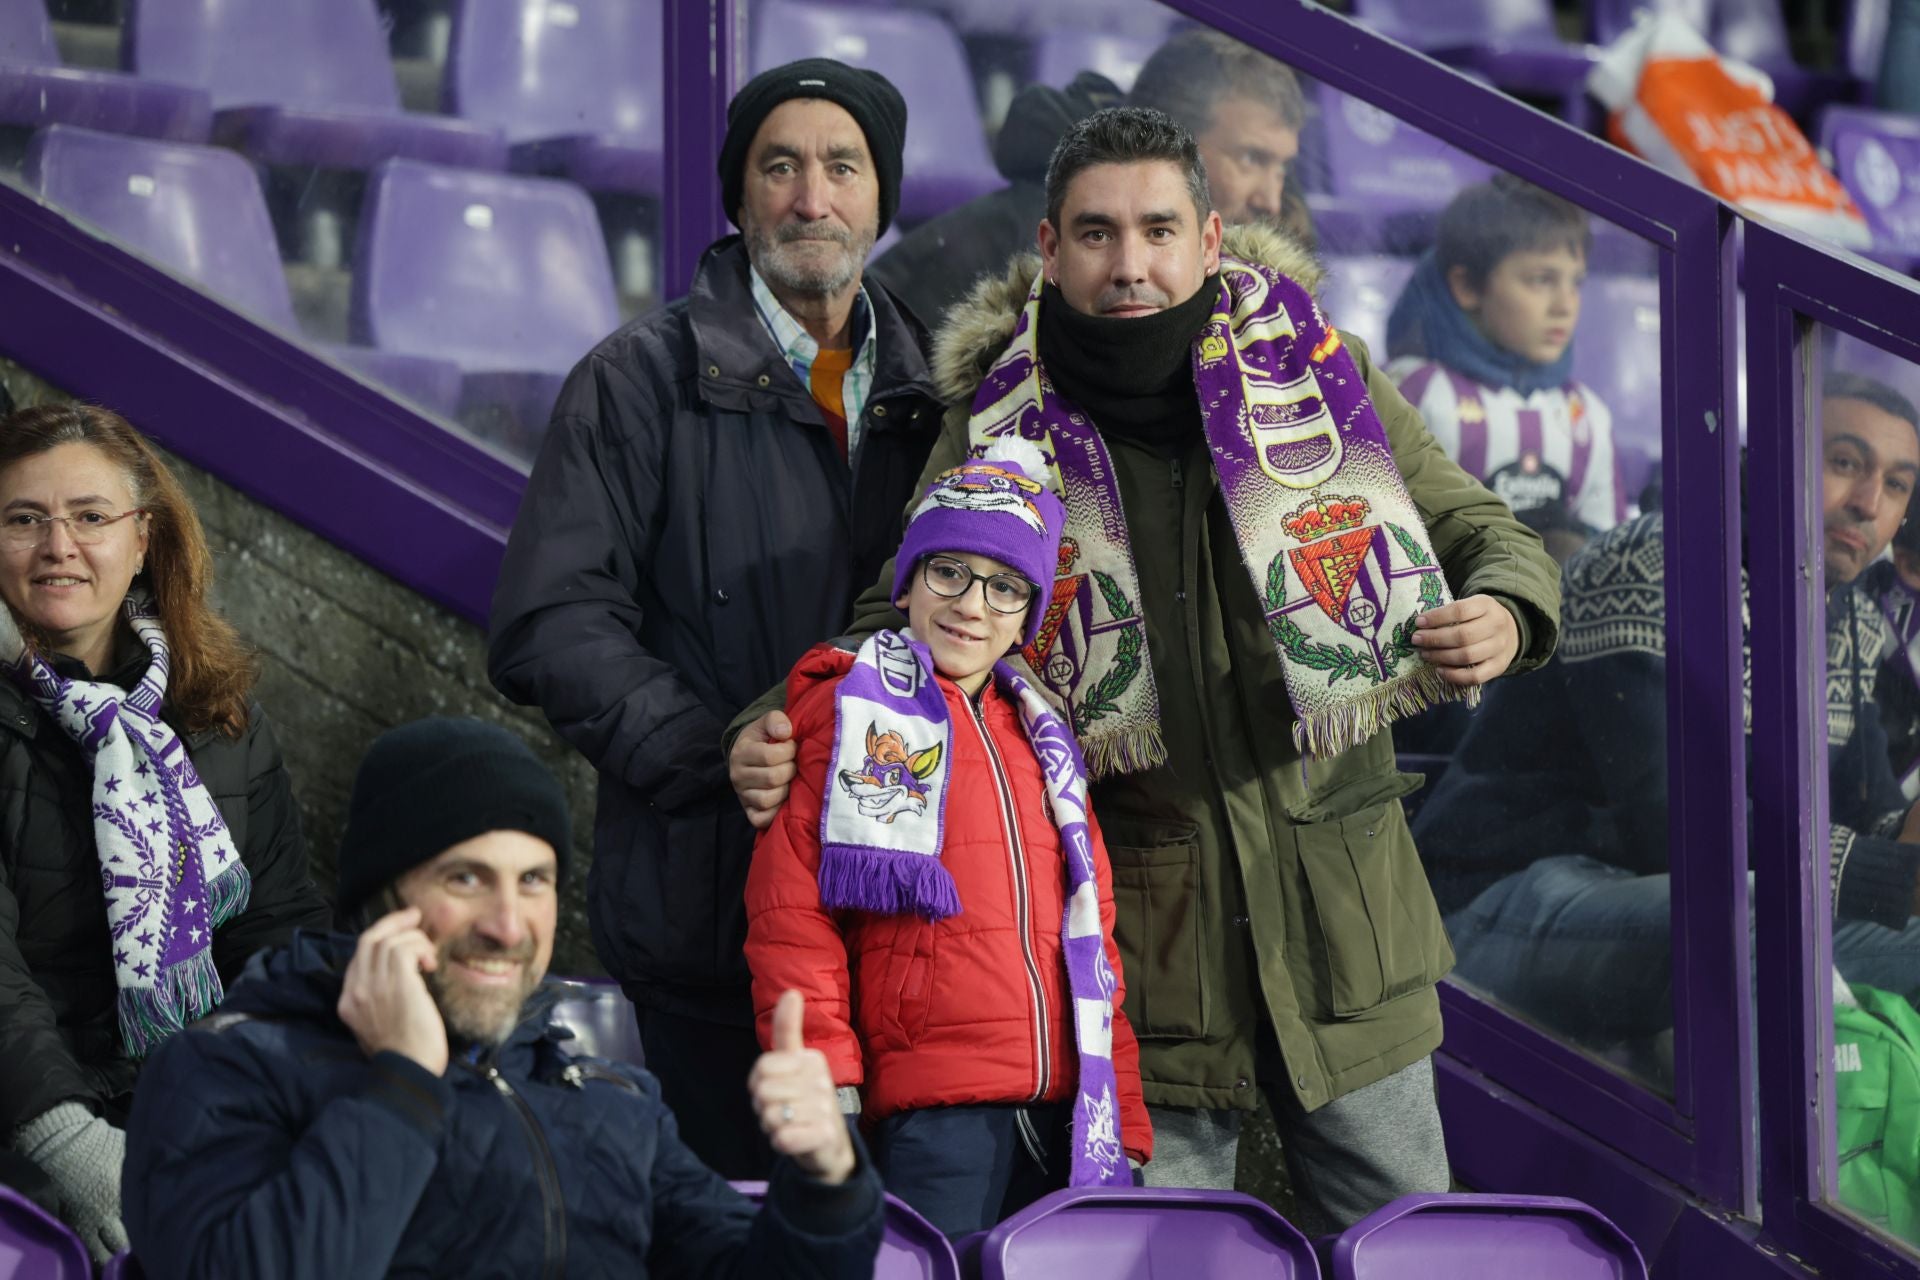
(167, 862)
(882, 828)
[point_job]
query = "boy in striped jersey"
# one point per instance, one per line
(1482, 342)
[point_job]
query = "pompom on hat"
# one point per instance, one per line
(995, 505)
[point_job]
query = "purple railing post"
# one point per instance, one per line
(1791, 281)
(703, 41)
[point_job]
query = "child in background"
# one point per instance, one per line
(1482, 344)
(936, 887)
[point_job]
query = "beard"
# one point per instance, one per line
(474, 1015)
(809, 274)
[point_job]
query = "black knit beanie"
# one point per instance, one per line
(432, 784)
(869, 97)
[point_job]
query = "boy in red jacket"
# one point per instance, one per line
(936, 887)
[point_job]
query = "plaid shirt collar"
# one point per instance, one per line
(799, 348)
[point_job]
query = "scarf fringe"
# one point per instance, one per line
(1128, 750)
(189, 990)
(887, 881)
(229, 893)
(1341, 728)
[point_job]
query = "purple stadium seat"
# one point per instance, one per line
(1616, 351)
(35, 1245)
(1358, 294)
(35, 89)
(298, 82)
(576, 85)
(602, 1020)
(1485, 1237)
(1751, 30)
(1876, 155)
(947, 162)
(1023, 19)
(912, 1249)
(1512, 42)
(198, 211)
(1866, 38)
(1138, 1233)
(1385, 181)
(1062, 55)
(505, 276)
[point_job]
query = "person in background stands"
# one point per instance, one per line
(149, 838)
(719, 481)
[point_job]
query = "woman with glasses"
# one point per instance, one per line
(914, 887)
(149, 839)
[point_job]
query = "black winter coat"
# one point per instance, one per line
(264, 1143)
(59, 1029)
(688, 532)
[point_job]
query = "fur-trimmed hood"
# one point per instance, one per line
(979, 327)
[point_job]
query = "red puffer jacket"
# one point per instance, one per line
(970, 1009)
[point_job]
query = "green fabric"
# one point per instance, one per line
(1876, 1089)
(1278, 889)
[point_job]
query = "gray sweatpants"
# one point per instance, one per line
(1345, 1160)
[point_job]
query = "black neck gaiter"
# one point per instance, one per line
(1133, 376)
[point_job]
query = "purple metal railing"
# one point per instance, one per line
(1793, 283)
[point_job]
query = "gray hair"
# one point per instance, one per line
(1189, 74)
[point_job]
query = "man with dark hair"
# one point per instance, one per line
(1894, 584)
(719, 480)
(1244, 109)
(1481, 342)
(1261, 540)
(400, 1103)
(1547, 836)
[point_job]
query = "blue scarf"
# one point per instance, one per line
(1426, 321)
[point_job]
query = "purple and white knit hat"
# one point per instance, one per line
(996, 505)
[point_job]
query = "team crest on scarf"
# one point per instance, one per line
(1335, 547)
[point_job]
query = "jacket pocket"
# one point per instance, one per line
(1157, 927)
(913, 962)
(1379, 927)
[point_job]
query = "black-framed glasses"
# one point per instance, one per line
(1005, 592)
(22, 530)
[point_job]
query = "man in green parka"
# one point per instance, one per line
(1267, 560)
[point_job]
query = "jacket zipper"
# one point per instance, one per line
(1023, 906)
(554, 1209)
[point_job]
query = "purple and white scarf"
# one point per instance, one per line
(167, 863)
(1900, 605)
(882, 828)
(1337, 551)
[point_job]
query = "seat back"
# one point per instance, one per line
(1616, 351)
(1876, 155)
(602, 1021)
(1139, 1233)
(26, 35)
(946, 162)
(911, 1249)
(1062, 55)
(1359, 293)
(1432, 24)
(1485, 1237)
(35, 1245)
(1371, 154)
(554, 68)
(1866, 38)
(493, 272)
(196, 210)
(322, 54)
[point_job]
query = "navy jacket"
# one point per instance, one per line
(689, 531)
(264, 1143)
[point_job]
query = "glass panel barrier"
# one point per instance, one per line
(454, 202)
(1866, 460)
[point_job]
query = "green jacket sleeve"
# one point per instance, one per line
(874, 610)
(1483, 547)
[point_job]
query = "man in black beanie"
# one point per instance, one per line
(399, 1102)
(719, 481)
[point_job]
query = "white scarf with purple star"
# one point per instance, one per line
(168, 866)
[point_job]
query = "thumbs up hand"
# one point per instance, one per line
(793, 1095)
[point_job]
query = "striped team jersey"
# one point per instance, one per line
(1550, 448)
